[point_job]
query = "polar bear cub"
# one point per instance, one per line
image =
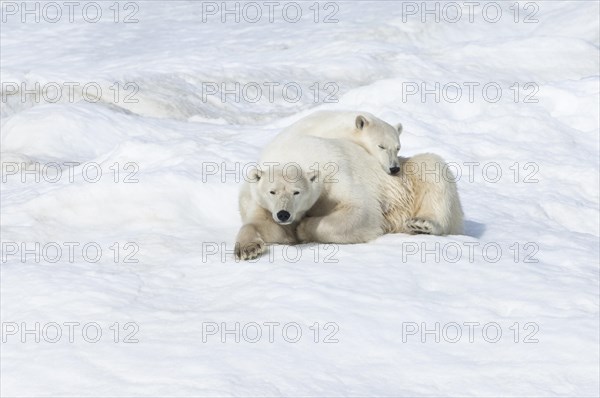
(271, 204)
(377, 137)
(294, 181)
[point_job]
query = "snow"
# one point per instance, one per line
(179, 220)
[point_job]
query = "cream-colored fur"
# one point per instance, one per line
(377, 137)
(422, 198)
(341, 195)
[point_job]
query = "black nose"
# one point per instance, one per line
(394, 170)
(283, 215)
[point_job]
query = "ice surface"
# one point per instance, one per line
(181, 216)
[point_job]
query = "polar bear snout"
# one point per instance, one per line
(394, 170)
(283, 215)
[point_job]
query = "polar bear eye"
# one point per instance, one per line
(272, 192)
(296, 193)
(381, 146)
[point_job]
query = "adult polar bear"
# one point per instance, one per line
(377, 137)
(314, 189)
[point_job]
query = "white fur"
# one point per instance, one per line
(422, 198)
(377, 137)
(349, 200)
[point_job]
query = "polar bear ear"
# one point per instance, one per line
(312, 176)
(254, 175)
(399, 128)
(361, 122)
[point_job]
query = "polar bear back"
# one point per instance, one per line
(348, 173)
(327, 124)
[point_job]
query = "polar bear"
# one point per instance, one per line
(313, 189)
(377, 137)
(295, 179)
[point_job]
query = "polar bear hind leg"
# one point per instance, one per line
(437, 209)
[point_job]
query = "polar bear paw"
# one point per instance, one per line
(422, 226)
(249, 250)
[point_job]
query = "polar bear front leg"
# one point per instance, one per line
(253, 238)
(249, 244)
(344, 225)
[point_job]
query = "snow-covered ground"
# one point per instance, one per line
(400, 316)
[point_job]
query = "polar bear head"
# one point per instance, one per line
(286, 192)
(380, 139)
